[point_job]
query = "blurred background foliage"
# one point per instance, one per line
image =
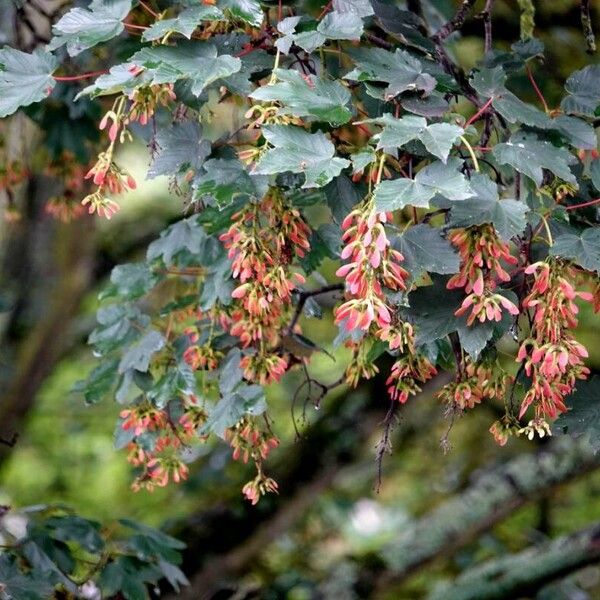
(330, 523)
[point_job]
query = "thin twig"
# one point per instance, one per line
(487, 24)
(583, 204)
(537, 89)
(586, 24)
(455, 23)
(384, 445)
(304, 296)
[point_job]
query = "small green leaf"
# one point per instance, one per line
(129, 282)
(529, 155)
(185, 23)
(425, 250)
(99, 382)
(249, 11)
(307, 96)
(507, 216)
(225, 179)
(360, 8)
(72, 528)
(583, 249)
(24, 78)
(180, 148)
(489, 83)
(438, 138)
(196, 62)
(583, 88)
(298, 151)
(341, 26)
(435, 179)
(81, 28)
(245, 400)
(402, 71)
(138, 355)
(583, 417)
(187, 234)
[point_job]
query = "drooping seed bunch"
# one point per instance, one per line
(159, 440)
(411, 368)
(550, 355)
(263, 241)
(477, 382)
(372, 266)
(482, 253)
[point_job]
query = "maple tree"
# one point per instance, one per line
(459, 216)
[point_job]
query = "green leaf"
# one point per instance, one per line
(138, 355)
(425, 250)
(129, 281)
(432, 309)
(402, 71)
(173, 574)
(225, 179)
(341, 195)
(81, 28)
(507, 216)
(404, 25)
(100, 381)
(577, 132)
(362, 159)
(72, 528)
(583, 249)
(230, 372)
(583, 88)
(360, 8)
(249, 11)
(286, 27)
(307, 96)
(180, 148)
(185, 23)
(20, 586)
(583, 417)
(489, 83)
(196, 62)
(438, 138)
(118, 324)
(298, 151)
(435, 179)
(187, 234)
(245, 400)
(178, 380)
(122, 78)
(24, 78)
(341, 26)
(529, 155)
(218, 284)
(157, 536)
(325, 242)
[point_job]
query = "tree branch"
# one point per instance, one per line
(487, 501)
(586, 24)
(455, 23)
(303, 296)
(523, 574)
